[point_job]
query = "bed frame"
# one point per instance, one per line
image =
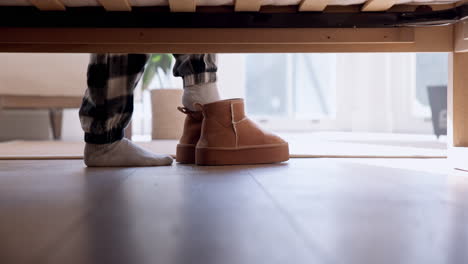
(313, 26)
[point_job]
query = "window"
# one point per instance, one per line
(431, 70)
(294, 86)
(374, 92)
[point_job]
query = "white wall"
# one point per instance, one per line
(43, 73)
(231, 75)
(40, 74)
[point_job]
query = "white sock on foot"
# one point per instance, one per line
(122, 153)
(200, 93)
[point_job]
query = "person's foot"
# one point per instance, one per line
(203, 93)
(185, 151)
(122, 153)
(229, 137)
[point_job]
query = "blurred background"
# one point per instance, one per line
(393, 98)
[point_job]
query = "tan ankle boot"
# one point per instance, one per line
(228, 137)
(192, 128)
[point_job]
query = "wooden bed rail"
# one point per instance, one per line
(431, 39)
(26, 29)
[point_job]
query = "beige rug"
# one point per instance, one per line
(302, 145)
(19, 149)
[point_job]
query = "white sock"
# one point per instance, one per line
(122, 153)
(200, 93)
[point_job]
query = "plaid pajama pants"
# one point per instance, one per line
(107, 105)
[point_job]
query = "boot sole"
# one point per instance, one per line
(241, 156)
(185, 153)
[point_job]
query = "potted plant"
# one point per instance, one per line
(167, 121)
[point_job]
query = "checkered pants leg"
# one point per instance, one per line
(107, 105)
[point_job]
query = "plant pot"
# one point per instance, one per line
(167, 121)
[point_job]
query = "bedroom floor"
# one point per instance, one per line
(303, 211)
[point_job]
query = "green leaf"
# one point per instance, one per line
(157, 61)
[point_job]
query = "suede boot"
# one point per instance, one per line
(185, 152)
(228, 137)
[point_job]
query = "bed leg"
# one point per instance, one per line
(457, 115)
(56, 116)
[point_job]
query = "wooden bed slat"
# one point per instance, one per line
(378, 5)
(49, 5)
(312, 5)
(247, 5)
(116, 5)
(182, 5)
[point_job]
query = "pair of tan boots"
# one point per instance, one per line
(221, 134)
